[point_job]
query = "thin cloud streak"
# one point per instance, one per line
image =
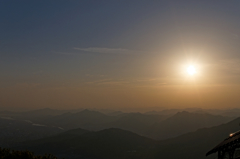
(129, 82)
(97, 50)
(105, 50)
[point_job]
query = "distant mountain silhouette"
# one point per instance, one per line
(87, 119)
(167, 112)
(34, 115)
(224, 112)
(231, 112)
(117, 143)
(14, 131)
(184, 122)
(153, 126)
(44, 111)
(150, 125)
(135, 122)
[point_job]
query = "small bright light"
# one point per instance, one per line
(191, 70)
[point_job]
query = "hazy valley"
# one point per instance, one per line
(95, 134)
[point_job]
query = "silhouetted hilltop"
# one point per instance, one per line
(167, 112)
(44, 111)
(232, 112)
(150, 125)
(154, 126)
(87, 119)
(184, 122)
(117, 143)
(135, 122)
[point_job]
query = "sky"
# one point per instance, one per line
(119, 54)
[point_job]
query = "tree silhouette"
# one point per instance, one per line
(13, 154)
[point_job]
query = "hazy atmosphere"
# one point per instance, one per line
(119, 79)
(119, 54)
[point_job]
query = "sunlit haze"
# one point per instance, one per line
(123, 55)
(120, 79)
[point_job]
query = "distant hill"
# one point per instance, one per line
(44, 111)
(14, 131)
(105, 144)
(86, 119)
(117, 143)
(223, 112)
(94, 120)
(150, 125)
(35, 115)
(231, 112)
(135, 122)
(168, 112)
(184, 122)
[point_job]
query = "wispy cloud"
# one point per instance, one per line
(96, 50)
(105, 50)
(108, 82)
(129, 82)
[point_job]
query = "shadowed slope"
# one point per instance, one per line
(109, 143)
(184, 122)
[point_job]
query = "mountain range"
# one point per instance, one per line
(94, 135)
(117, 143)
(152, 126)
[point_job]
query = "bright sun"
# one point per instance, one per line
(191, 70)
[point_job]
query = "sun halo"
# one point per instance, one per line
(191, 70)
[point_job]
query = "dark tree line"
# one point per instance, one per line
(13, 154)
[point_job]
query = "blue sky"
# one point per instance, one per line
(130, 52)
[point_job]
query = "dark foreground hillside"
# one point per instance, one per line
(120, 144)
(12, 154)
(196, 144)
(109, 143)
